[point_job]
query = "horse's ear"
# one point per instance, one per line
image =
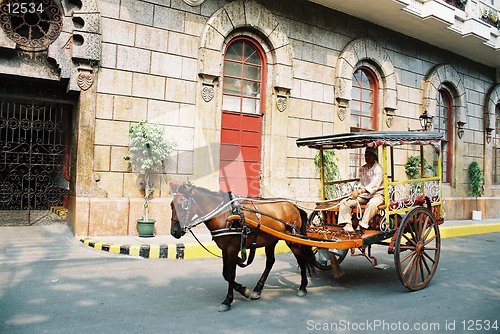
(188, 185)
(174, 186)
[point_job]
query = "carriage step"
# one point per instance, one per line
(61, 211)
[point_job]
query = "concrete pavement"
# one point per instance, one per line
(167, 247)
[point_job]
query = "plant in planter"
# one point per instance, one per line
(147, 152)
(412, 169)
(476, 186)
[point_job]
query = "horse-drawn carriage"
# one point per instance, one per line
(407, 221)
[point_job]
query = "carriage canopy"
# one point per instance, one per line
(371, 139)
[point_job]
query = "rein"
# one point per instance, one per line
(202, 245)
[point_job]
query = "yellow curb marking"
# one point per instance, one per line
(114, 249)
(134, 250)
(464, 230)
(154, 251)
(171, 251)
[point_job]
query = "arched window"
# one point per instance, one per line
(242, 78)
(496, 147)
(364, 106)
(443, 122)
(364, 100)
(243, 85)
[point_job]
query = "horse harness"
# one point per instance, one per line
(238, 226)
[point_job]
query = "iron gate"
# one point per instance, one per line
(34, 151)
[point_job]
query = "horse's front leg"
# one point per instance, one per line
(270, 259)
(229, 273)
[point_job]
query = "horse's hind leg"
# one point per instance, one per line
(302, 261)
(270, 259)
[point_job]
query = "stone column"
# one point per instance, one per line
(83, 178)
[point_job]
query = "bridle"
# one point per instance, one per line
(188, 203)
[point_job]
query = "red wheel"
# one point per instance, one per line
(418, 245)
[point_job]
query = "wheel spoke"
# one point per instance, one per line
(409, 263)
(407, 256)
(425, 264)
(431, 227)
(419, 230)
(406, 247)
(412, 232)
(424, 227)
(428, 256)
(429, 241)
(410, 240)
(422, 274)
(414, 272)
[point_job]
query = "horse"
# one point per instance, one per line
(214, 208)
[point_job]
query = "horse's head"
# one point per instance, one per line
(183, 207)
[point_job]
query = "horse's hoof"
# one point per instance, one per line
(224, 308)
(301, 293)
(247, 293)
(255, 295)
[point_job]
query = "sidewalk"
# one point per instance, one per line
(167, 247)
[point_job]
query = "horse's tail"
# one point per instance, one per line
(307, 251)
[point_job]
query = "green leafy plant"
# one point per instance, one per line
(412, 166)
(476, 179)
(329, 164)
(148, 150)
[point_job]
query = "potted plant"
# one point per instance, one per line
(412, 167)
(147, 152)
(476, 186)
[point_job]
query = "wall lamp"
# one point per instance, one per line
(489, 134)
(460, 129)
(425, 121)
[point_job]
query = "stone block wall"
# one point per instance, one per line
(151, 71)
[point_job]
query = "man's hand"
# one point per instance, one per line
(356, 193)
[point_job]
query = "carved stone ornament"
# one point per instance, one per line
(281, 103)
(341, 113)
(207, 92)
(389, 116)
(194, 2)
(342, 105)
(389, 121)
(85, 78)
(33, 25)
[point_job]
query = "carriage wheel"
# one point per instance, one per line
(418, 245)
(322, 257)
(321, 254)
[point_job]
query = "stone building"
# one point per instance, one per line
(254, 75)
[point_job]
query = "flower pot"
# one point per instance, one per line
(146, 228)
(476, 215)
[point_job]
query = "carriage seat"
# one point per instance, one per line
(325, 205)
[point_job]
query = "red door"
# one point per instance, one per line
(241, 126)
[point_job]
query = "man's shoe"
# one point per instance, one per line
(363, 226)
(348, 228)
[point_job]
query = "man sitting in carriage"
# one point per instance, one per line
(370, 192)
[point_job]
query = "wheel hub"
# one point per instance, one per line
(420, 247)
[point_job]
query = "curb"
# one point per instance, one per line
(196, 251)
(170, 251)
